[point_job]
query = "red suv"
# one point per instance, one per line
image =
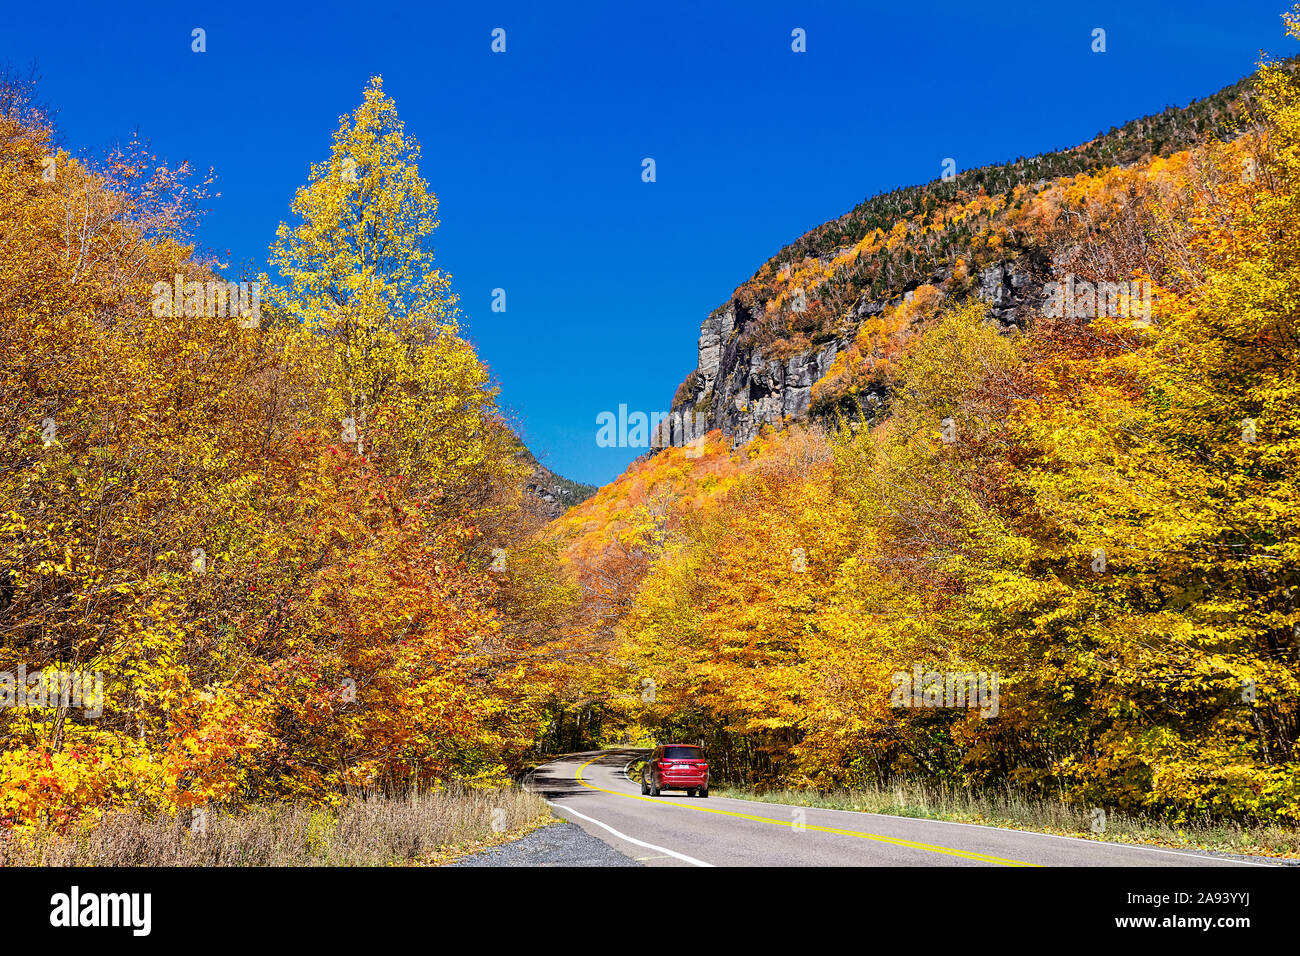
(676, 767)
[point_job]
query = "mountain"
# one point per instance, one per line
(809, 335)
(554, 493)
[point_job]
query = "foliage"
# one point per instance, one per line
(1097, 509)
(279, 602)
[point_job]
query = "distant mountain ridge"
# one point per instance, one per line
(555, 493)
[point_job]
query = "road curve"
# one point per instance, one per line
(593, 791)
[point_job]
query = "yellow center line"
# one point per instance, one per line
(983, 858)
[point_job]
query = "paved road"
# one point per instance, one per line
(593, 791)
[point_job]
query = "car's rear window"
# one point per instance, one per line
(683, 753)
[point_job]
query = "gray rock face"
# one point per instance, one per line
(737, 389)
(713, 333)
(867, 308)
(552, 494)
(1010, 291)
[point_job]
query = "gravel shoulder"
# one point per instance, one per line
(559, 844)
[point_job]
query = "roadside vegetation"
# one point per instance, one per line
(372, 830)
(1017, 810)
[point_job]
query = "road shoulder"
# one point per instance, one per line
(559, 844)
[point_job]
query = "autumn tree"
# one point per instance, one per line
(398, 383)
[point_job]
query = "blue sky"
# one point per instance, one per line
(535, 154)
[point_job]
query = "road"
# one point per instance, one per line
(593, 791)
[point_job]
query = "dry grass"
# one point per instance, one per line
(363, 831)
(1019, 811)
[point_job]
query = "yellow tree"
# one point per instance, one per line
(378, 318)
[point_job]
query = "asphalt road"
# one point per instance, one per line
(593, 791)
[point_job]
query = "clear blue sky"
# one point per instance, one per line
(536, 154)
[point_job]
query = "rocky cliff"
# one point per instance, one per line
(809, 336)
(737, 389)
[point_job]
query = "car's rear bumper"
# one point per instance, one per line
(684, 782)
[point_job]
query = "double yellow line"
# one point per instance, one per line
(981, 857)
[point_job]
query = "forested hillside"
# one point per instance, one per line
(1052, 451)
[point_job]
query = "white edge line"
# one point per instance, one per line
(623, 836)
